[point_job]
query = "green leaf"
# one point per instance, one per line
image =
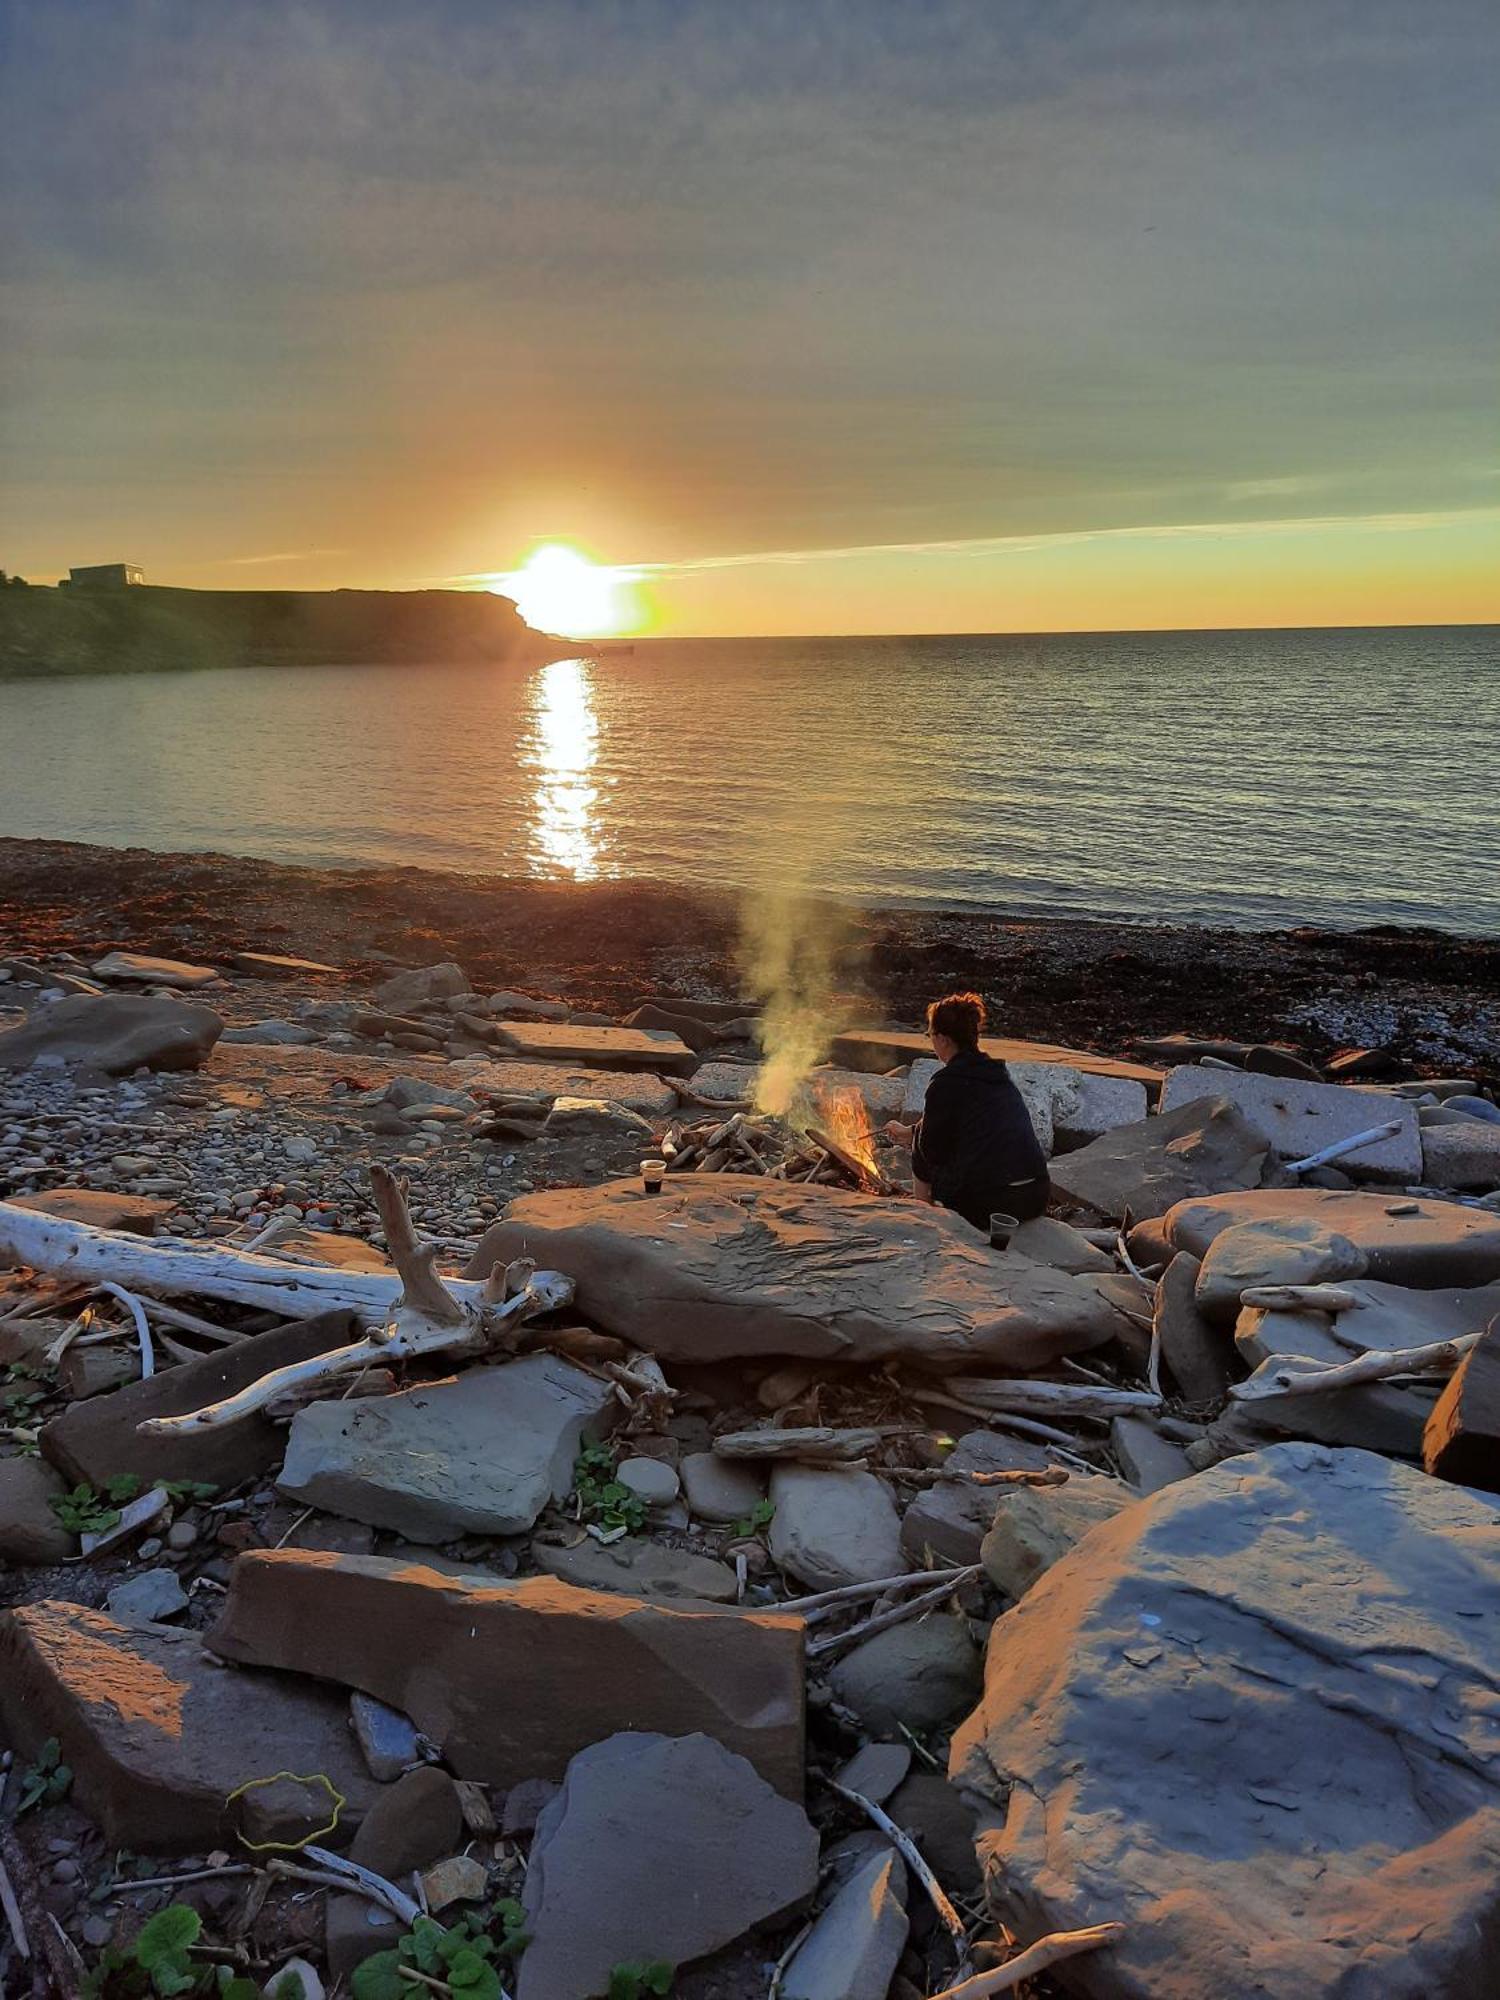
(169, 1979)
(166, 1936)
(235, 1988)
(423, 1945)
(634, 1979)
(473, 1977)
(379, 1978)
(123, 1485)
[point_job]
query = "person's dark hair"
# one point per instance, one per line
(959, 1016)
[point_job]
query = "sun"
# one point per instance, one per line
(558, 590)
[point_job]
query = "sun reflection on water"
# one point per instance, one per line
(563, 745)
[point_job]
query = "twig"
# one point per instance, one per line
(1296, 1375)
(778, 1970)
(1036, 1958)
(121, 1887)
(340, 1873)
(997, 1419)
(897, 1615)
(1123, 1253)
(1340, 1147)
(138, 1314)
(813, 1608)
(12, 1911)
(912, 1856)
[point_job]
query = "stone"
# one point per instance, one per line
(852, 1950)
(1377, 1416)
(1046, 1240)
(1282, 1250)
(479, 1455)
(728, 1265)
(101, 1208)
(1148, 1460)
(1298, 1118)
(1197, 1354)
(594, 1118)
(420, 986)
(157, 1735)
(114, 1033)
(657, 1847)
(135, 968)
(610, 1048)
(411, 1824)
(928, 1808)
(721, 1491)
(271, 1034)
(1462, 1156)
(727, 1082)
(1196, 1719)
(507, 1002)
(949, 1521)
(328, 1246)
(833, 1526)
(1036, 1526)
(514, 1079)
(284, 1811)
(288, 1974)
(276, 965)
(1423, 1244)
(96, 1440)
(876, 1770)
(459, 1879)
(640, 1569)
(883, 1049)
(30, 1531)
(93, 1371)
(649, 1479)
(698, 1035)
(1200, 1148)
(1461, 1440)
(152, 1595)
(387, 1739)
(524, 1805)
(1475, 1107)
(355, 1930)
(1271, 1059)
(510, 1679)
(918, 1675)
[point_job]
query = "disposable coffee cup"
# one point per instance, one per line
(653, 1173)
(1002, 1228)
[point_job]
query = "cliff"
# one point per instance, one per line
(145, 628)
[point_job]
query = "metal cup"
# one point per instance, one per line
(1002, 1228)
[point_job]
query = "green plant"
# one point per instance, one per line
(635, 1980)
(179, 1490)
(760, 1516)
(46, 1781)
(455, 1960)
(159, 1965)
(601, 1497)
(83, 1511)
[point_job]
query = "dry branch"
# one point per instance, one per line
(911, 1854)
(1063, 1399)
(1036, 1958)
(1296, 1375)
(817, 1444)
(896, 1615)
(1301, 1298)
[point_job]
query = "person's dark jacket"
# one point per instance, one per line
(975, 1146)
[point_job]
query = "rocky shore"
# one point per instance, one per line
(763, 1586)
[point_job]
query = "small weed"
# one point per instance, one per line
(760, 1517)
(455, 1960)
(636, 1981)
(47, 1780)
(159, 1965)
(600, 1496)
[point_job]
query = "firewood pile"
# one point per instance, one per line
(783, 1149)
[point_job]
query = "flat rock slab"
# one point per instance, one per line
(634, 1091)
(138, 969)
(276, 965)
(640, 1569)
(1425, 1244)
(480, 1455)
(1268, 1689)
(1068, 1107)
(511, 1680)
(96, 1439)
(1201, 1148)
(1374, 1416)
(888, 1048)
(101, 1208)
(30, 1531)
(158, 1736)
(727, 1265)
(833, 1527)
(657, 1848)
(1299, 1118)
(1199, 1355)
(730, 1082)
(856, 1943)
(114, 1033)
(610, 1048)
(1466, 1155)
(1462, 1438)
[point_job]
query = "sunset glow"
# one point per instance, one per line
(558, 590)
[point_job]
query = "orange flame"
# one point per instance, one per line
(841, 1111)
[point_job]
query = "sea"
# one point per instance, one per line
(1251, 779)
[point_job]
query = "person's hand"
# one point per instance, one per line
(897, 1132)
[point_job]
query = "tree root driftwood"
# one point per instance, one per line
(409, 1312)
(1297, 1375)
(1036, 1958)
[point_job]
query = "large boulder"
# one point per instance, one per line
(97, 1438)
(1462, 1437)
(511, 1679)
(1465, 1155)
(114, 1033)
(1197, 1354)
(728, 1265)
(657, 1848)
(833, 1526)
(1282, 1250)
(1252, 1718)
(1299, 1118)
(482, 1454)
(158, 1736)
(1201, 1148)
(1425, 1244)
(137, 968)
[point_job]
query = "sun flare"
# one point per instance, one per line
(558, 590)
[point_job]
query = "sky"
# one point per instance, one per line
(836, 316)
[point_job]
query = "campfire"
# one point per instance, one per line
(824, 1135)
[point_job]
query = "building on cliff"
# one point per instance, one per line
(106, 576)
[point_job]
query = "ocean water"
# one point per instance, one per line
(1244, 778)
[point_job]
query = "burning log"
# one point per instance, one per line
(866, 1175)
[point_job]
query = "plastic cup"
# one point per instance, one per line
(653, 1173)
(1002, 1228)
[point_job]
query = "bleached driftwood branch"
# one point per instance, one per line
(1036, 1958)
(1340, 1148)
(1296, 1375)
(408, 1312)
(1059, 1399)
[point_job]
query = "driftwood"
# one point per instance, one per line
(816, 1445)
(1339, 1148)
(1301, 1298)
(1296, 1375)
(916, 1861)
(896, 1615)
(1036, 1958)
(409, 1312)
(1060, 1399)
(867, 1176)
(827, 1603)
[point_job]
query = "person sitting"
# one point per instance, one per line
(973, 1149)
